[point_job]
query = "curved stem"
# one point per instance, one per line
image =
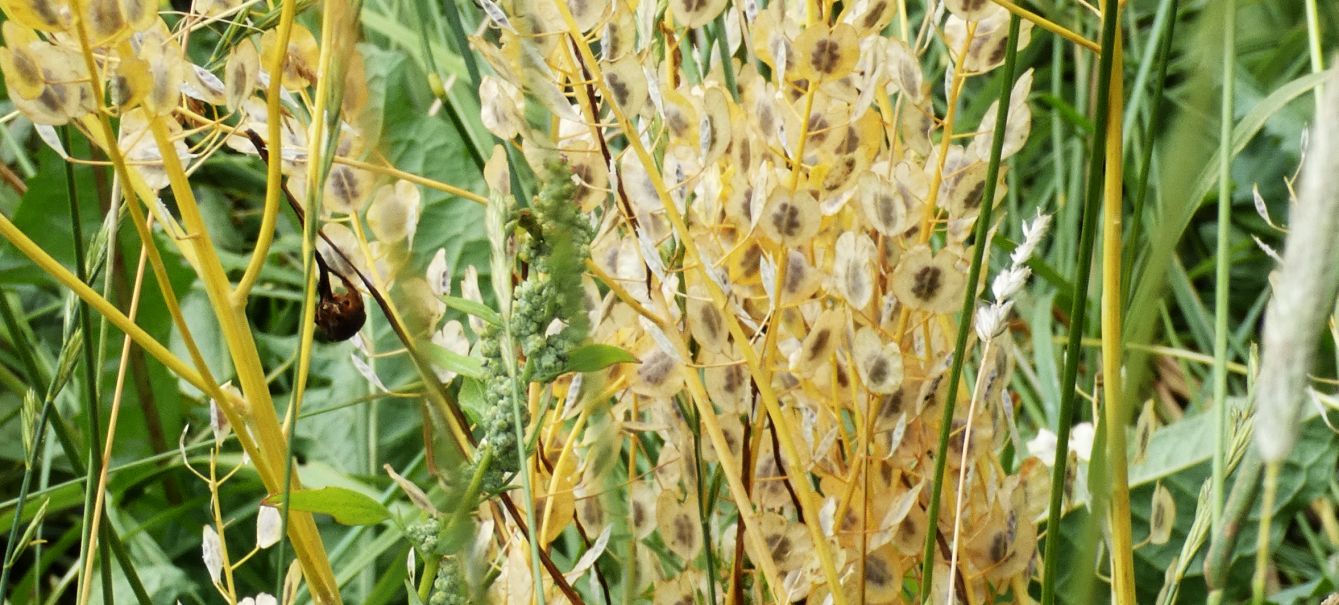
(273, 175)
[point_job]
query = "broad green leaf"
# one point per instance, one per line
(596, 357)
(348, 507)
(474, 308)
(461, 364)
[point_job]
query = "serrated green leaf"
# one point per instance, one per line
(346, 506)
(461, 364)
(596, 357)
(470, 307)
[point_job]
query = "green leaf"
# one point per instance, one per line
(596, 357)
(472, 398)
(470, 307)
(348, 507)
(461, 364)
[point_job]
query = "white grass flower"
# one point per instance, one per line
(1008, 282)
(1033, 231)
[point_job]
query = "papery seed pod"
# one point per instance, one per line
(241, 73)
(879, 365)
(657, 375)
(627, 84)
(346, 189)
(883, 576)
(588, 13)
(823, 337)
(678, 526)
(874, 18)
(788, 543)
(801, 279)
(852, 269)
(706, 323)
(393, 214)
(695, 13)
(1143, 432)
(41, 15)
(619, 38)
(714, 128)
(790, 219)
(642, 509)
(1017, 128)
(300, 58)
(928, 282)
(826, 53)
(969, 10)
(500, 107)
(1162, 515)
(728, 383)
(883, 205)
(680, 114)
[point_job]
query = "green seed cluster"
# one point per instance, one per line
(423, 535)
(556, 250)
(449, 587)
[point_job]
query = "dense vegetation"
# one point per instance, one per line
(674, 302)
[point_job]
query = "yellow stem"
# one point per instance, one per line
(931, 199)
(257, 413)
(1122, 544)
(1049, 25)
(99, 496)
(273, 177)
(412, 178)
(693, 260)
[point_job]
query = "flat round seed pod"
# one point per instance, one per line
(928, 282)
(790, 218)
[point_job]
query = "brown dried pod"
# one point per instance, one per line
(338, 316)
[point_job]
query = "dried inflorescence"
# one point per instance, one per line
(795, 225)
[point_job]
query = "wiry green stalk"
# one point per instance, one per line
(1146, 162)
(968, 307)
(91, 398)
(1079, 305)
(1222, 272)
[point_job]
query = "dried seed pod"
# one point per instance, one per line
(658, 374)
(695, 13)
(241, 73)
(928, 282)
(790, 218)
(705, 322)
(827, 53)
(879, 365)
(627, 84)
(852, 268)
(678, 525)
(1016, 130)
(1162, 515)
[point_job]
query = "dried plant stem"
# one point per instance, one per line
(786, 437)
(962, 465)
(101, 491)
(273, 174)
(1079, 302)
(257, 411)
(1122, 544)
(1049, 25)
(964, 329)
